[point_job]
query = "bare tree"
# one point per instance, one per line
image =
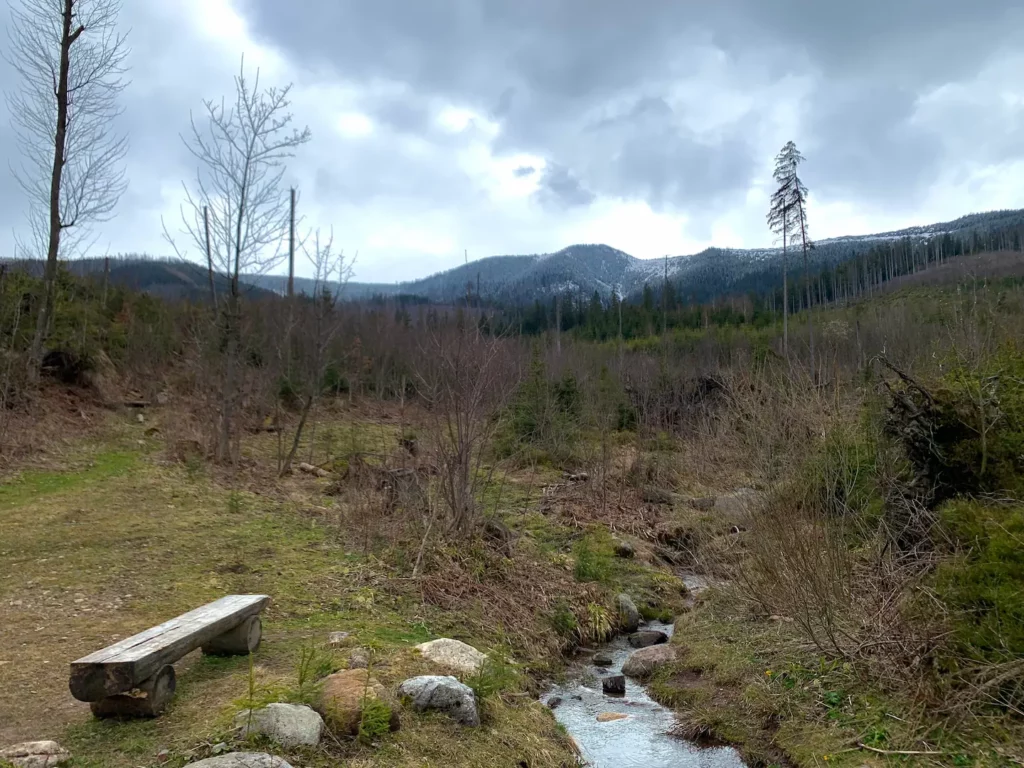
(70, 57)
(234, 211)
(331, 272)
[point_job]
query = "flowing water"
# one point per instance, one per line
(642, 739)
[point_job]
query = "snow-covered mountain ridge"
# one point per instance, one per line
(587, 268)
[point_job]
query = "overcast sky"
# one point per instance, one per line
(523, 126)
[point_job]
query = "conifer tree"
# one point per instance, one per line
(787, 218)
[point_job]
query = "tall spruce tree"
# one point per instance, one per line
(787, 218)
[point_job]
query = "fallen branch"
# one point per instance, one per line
(896, 751)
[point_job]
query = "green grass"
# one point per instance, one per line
(32, 484)
(124, 541)
(750, 683)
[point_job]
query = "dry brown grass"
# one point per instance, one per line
(119, 536)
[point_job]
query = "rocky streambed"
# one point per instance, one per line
(626, 730)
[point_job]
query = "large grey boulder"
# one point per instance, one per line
(290, 725)
(442, 693)
(645, 662)
(242, 760)
(647, 637)
(629, 616)
(35, 754)
(624, 549)
(741, 504)
(453, 654)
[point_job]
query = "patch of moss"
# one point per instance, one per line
(983, 584)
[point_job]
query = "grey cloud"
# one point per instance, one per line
(539, 66)
(559, 188)
(590, 85)
(660, 160)
(862, 155)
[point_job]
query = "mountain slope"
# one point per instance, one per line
(589, 268)
(579, 269)
(166, 278)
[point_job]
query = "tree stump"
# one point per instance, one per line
(148, 700)
(240, 641)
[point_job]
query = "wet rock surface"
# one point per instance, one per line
(647, 637)
(631, 731)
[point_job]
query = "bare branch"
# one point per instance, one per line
(241, 149)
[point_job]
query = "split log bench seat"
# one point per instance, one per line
(134, 677)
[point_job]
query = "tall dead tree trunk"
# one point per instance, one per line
(291, 247)
(69, 35)
(209, 256)
(807, 279)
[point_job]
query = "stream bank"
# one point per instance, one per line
(640, 737)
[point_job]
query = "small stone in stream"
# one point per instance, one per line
(603, 659)
(35, 754)
(624, 549)
(609, 717)
(337, 639)
(615, 685)
(577, 697)
(554, 701)
(643, 663)
(647, 637)
(629, 616)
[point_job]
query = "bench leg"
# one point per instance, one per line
(148, 700)
(242, 640)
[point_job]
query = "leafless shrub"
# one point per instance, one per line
(322, 323)
(464, 379)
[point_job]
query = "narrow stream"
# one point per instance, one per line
(640, 740)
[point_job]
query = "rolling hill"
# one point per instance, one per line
(578, 269)
(589, 268)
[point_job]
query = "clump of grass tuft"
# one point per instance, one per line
(563, 620)
(597, 625)
(594, 559)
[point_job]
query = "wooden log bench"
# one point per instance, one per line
(134, 677)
